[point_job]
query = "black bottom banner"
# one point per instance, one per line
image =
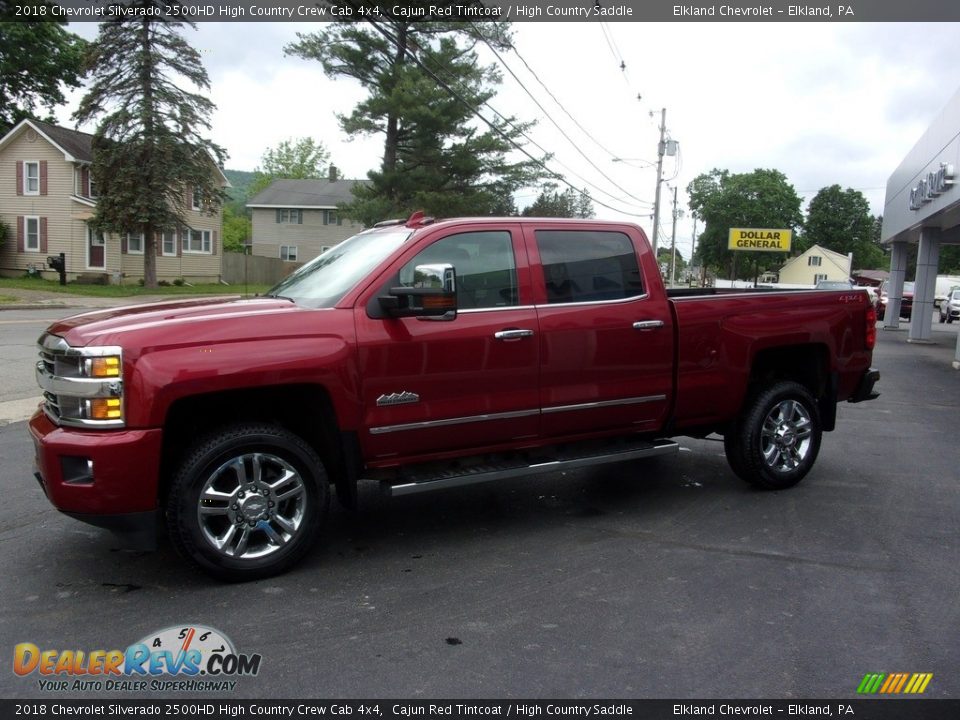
(858, 709)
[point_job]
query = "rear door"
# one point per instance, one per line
(432, 386)
(606, 345)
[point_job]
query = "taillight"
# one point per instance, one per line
(870, 337)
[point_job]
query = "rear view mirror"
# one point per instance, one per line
(433, 294)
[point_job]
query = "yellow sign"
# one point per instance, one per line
(762, 239)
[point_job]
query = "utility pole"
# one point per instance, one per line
(661, 149)
(673, 242)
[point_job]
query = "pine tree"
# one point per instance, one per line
(423, 88)
(148, 149)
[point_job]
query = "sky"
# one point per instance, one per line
(824, 103)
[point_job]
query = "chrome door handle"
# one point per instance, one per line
(648, 324)
(513, 334)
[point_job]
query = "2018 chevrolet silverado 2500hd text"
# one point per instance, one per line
(427, 355)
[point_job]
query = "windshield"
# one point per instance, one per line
(327, 278)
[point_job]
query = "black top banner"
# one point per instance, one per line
(482, 10)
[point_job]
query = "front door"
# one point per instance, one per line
(434, 386)
(96, 249)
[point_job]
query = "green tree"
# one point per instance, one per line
(423, 85)
(553, 203)
(759, 199)
(840, 220)
(148, 149)
(37, 61)
(237, 229)
(301, 159)
(4, 233)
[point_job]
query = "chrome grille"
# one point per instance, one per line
(51, 405)
(63, 375)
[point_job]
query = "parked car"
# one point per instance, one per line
(906, 304)
(950, 308)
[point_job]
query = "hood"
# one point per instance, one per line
(111, 325)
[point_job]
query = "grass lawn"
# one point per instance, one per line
(127, 290)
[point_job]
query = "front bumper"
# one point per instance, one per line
(865, 389)
(97, 473)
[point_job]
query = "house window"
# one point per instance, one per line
(814, 261)
(290, 216)
(196, 241)
(93, 187)
(31, 178)
(31, 231)
(288, 253)
(135, 243)
(331, 217)
(196, 199)
(818, 277)
(169, 243)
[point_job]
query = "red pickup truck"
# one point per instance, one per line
(427, 355)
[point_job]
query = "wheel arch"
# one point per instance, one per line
(807, 364)
(306, 410)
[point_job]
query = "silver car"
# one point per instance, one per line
(950, 308)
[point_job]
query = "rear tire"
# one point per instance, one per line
(777, 438)
(247, 502)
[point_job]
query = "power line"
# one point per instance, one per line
(556, 125)
(614, 50)
(492, 126)
(570, 170)
(557, 101)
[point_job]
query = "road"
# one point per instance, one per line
(663, 578)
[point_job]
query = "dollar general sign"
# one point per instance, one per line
(763, 239)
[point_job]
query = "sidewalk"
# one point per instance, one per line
(41, 300)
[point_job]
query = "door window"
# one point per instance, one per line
(588, 266)
(485, 267)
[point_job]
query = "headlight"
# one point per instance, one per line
(82, 387)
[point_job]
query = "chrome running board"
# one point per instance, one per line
(437, 477)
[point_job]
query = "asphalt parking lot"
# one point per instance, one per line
(662, 578)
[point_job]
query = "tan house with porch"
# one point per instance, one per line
(47, 198)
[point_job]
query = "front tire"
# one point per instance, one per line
(777, 439)
(247, 502)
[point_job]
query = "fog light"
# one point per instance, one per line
(104, 409)
(76, 470)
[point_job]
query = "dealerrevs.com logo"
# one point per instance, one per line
(187, 658)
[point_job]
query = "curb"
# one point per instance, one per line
(37, 306)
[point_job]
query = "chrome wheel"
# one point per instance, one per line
(252, 506)
(786, 437)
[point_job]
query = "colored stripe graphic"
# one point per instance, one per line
(894, 683)
(870, 683)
